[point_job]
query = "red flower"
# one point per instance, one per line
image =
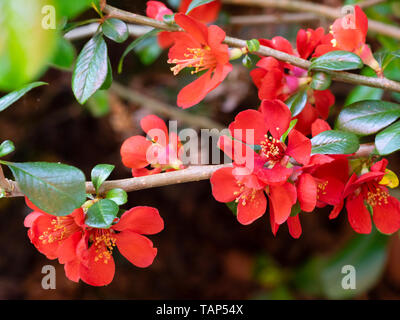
(161, 153)
(349, 33)
(54, 236)
(308, 40)
(205, 13)
(94, 263)
(369, 192)
(199, 47)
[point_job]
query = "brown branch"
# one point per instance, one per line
(369, 3)
(347, 77)
(273, 19)
(318, 9)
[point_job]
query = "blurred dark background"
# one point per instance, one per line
(203, 253)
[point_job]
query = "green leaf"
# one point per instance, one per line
(26, 46)
(323, 276)
(253, 45)
(320, 81)
(286, 133)
(335, 142)
(99, 104)
(148, 51)
(91, 69)
(338, 61)
(6, 148)
(388, 140)
(360, 93)
(100, 173)
(102, 214)
(55, 188)
(295, 209)
(70, 9)
(368, 116)
(65, 54)
(12, 97)
(297, 102)
(134, 44)
(197, 3)
(232, 206)
(115, 30)
(117, 195)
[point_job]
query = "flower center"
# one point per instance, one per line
(272, 149)
(244, 195)
(321, 186)
(376, 195)
(62, 228)
(198, 58)
(104, 243)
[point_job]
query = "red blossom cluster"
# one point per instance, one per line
(86, 252)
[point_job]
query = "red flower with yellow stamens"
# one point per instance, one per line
(161, 153)
(366, 195)
(199, 47)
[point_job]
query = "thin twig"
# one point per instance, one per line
(164, 109)
(346, 77)
(318, 9)
(369, 3)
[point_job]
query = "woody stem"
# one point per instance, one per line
(382, 83)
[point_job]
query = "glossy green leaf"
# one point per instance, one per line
(6, 147)
(197, 3)
(134, 44)
(27, 41)
(100, 173)
(388, 140)
(12, 97)
(115, 30)
(360, 93)
(335, 142)
(117, 195)
(320, 81)
(71, 8)
(367, 117)
(338, 61)
(64, 55)
(297, 102)
(101, 214)
(324, 276)
(109, 78)
(91, 69)
(55, 188)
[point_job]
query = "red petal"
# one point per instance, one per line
(336, 210)
(319, 126)
(72, 270)
(250, 120)
(299, 147)
(271, 84)
(30, 218)
(358, 215)
(294, 226)
(156, 128)
(136, 248)
(253, 209)
(224, 185)
(133, 152)
(387, 216)
(195, 91)
(205, 13)
(282, 197)
(195, 28)
(241, 153)
(157, 10)
(277, 116)
(323, 101)
(142, 220)
(67, 249)
(307, 192)
(275, 176)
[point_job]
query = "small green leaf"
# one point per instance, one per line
(6, 148)
(117, 195)
(360, 93)
(91, 69)
(102, 214)
(368, 116)
(197, 3)
(320, 81)
(286, 133)
(253, 45)
(388, 141)
(100, 173)
(65, 54)
(295, 209)
(12, 97)
(232, 206)
(148, 51)
(297, 102)
(115, 30)
(109, 79)
(55, 188)
(338, 61)
(134, 44)
(169, 19)
(335, 142)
